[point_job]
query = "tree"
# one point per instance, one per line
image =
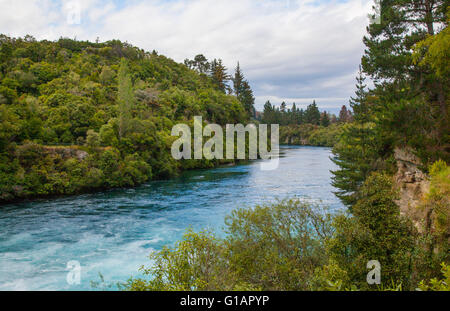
(199, 63)
(312, 114)
(107, 75)
(403, 23)
(412, 105)
(9, 126)
(125, 98)
(219, 75)
(248, 99)
(243, 91)
(375, 231)
(359, 102)
(92, 139)
(238, 81)
(355, 154)
(324, 119)
(60, 92)
(269, 116)
(344, 115)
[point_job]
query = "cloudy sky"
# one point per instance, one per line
(292, 50)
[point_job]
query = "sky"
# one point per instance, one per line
(289, 50)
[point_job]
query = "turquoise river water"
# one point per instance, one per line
(113, 232)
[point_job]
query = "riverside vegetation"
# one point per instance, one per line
(81, 116)
(113, 106)
(291, 245)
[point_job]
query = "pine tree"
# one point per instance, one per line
(312, 114)
(201, 63)
(355, 154)
(403, 23)
(269, 114)
(410, 103)
(243, 91)
(219, 75)
(324, 119)
(359, 102)
(301, 116)
(389, 46)
(238, 81)
(294, 113)
(247, 98)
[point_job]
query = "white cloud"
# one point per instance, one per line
(288, 49)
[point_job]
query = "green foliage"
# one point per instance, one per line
(438, 284)
(292, 245)
(294, 116)
(437, 202)
(376, 231)
(357, 154)
(277, 247)
(273, 247)
(434, 52)
(408, 106)
(195, 263)
(125, 98)
(406, 56)
(312, 135)
(312, 114)
(219, 75)
(119, 101)
(359, 103)
(243, 91)
(92, 139)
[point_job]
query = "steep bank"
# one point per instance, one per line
(413, 184)
(424, 198)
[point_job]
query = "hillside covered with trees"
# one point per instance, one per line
(77, 116)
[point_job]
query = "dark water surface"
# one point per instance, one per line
(113, 232)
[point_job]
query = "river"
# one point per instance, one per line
(113, 232)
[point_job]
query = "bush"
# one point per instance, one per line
(92, 139)
(271, 247)
(376, 231)
(438, 284)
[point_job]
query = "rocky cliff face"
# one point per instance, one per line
(413, 184)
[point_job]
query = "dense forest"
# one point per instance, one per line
(291, 245)
(79, 116)
(306, 127)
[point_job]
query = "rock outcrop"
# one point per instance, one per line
(413, 184)
(67, 152)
